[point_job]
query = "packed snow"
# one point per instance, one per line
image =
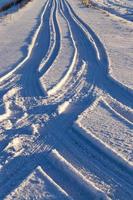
(109, 127)
(117, 37)
(66, 100)
(38, 185)
(122, 8)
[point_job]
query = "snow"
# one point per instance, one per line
(66, 118)
(21, 24)
(38, 185)
(7, 110)
(62, 108)
(15, 146)
(120, 8)
(59, 71)
(95, 193)
(117, 37)
(107, 126)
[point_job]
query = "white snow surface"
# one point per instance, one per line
(117, 36)
(18, 29)
(66, 101)
(109, 127)
(38, 185)
(123, 8)
(62, 62)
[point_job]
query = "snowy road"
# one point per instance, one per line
(48, 145)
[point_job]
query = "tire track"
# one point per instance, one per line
(85, 80)
(57, 43)
(103, 80)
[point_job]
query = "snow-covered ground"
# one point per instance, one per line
(66, 109)
(109, 127)
(122, 8)
(39, 185)
(117, 36)
(18, 32)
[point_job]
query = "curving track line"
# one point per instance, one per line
(56, 46)
(103, 80)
